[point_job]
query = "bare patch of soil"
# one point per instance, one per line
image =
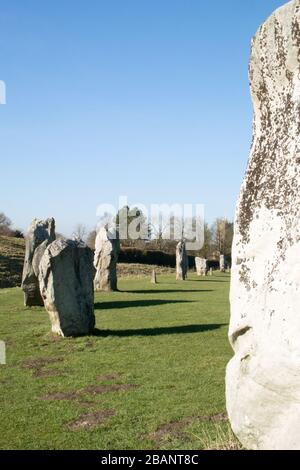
(47, 373)
(93, 390)
(219, 418)
(174, 429)
(90, 344)
(41, 362)
(53, 338)
(177, 429)
(37, 366)
(97, 390)
(69, 396)
(108, 377)
(90, 420)
(60, 396)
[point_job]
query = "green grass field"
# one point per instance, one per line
(152, 376)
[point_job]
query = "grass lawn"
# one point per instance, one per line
(152, 376)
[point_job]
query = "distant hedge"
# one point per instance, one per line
(155, 257)
(158, 258)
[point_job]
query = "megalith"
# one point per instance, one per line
(198, 266)
(107, 249)
(222, 264)
(154, 277)
(40, 234)
(263, 378)
(201, 266)
(181, 261)
(66, 283)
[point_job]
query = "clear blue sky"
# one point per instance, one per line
(144, 98)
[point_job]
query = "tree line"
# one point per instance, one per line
(6, 227)
(217, 236)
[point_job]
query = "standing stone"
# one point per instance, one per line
(181, 262)
(66, 283)
(153, 277)
(40, 234)
(211, 272)
(263, 378)
(222, 264)
(204, 267)
(198, 266)
(201, 266)
(107, 248)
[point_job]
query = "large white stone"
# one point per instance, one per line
(263, 378)
(153, 277)
(66, 283)
(107, 248)
(201, 266)
(222, 264)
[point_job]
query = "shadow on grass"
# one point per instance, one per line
(206, 279)
(137, 303)
(168, 330)
(165, 291)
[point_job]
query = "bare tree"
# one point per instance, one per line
(80, 232)
(220, 234)
(5, 224)
(158, 232)
(132, 226)
(223, 235)
(4, 220)
(207, 249)
(107, 220)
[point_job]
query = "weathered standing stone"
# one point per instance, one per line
(66, 283)
(263, 378)
(222, 264)
(201, 266)
(198, 264)
(181, 262)
(40, 234)
(107, 248)
(153, 277)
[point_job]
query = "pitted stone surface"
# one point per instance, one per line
(66, 283)
(201, 266)
(263, 378)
